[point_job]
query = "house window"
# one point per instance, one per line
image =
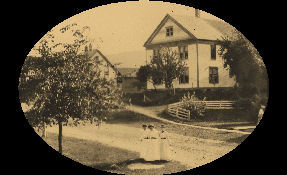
(107, 70)
(97, 58)
(169, 31)
(213, 75)
(106, 73)
(119, 80)
(213, 51)
(183, 52)
(184, 78)
(155, 53)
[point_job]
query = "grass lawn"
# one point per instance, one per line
(130, 118)
(136, 120)
(223, 119)
(102, 157)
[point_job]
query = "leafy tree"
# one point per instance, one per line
(246, 65)
(166, 66)
(65, 83)
(145, 74)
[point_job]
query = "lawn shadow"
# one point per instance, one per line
(127, 117)
(124, 164)
(231, 126)
(238, 139)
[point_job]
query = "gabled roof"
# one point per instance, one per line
(225, 28)
(160, 26)
(196, 28)
(128, 72)
(93, 53)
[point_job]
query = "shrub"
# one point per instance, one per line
(192, 103)
(250, 107)
(243, 103)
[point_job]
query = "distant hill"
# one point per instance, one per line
(133, 59)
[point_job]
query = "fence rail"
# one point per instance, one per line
(219, 104)
(177, 110)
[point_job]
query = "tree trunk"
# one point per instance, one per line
(154, 86)
(44, 133)
(60, 137)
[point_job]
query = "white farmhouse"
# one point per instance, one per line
(108, 70)
(196, 41)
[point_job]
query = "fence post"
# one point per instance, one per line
(188, 114)
(167, 109)
(177, 112)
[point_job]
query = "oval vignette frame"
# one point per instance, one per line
(172, 31)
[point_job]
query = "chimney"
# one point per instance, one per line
(197, 14)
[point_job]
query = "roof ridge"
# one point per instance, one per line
(199, 19)
(94, 51)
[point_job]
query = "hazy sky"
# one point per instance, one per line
(124, 27)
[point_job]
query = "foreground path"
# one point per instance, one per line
(190, 151)
(152, 114)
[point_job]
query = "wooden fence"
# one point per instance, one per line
(219, 104)
(176, 109)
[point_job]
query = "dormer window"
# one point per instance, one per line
(169, 31)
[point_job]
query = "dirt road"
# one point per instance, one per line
(190, 151)
(151, 113)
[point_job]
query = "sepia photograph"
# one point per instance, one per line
(143, 87)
